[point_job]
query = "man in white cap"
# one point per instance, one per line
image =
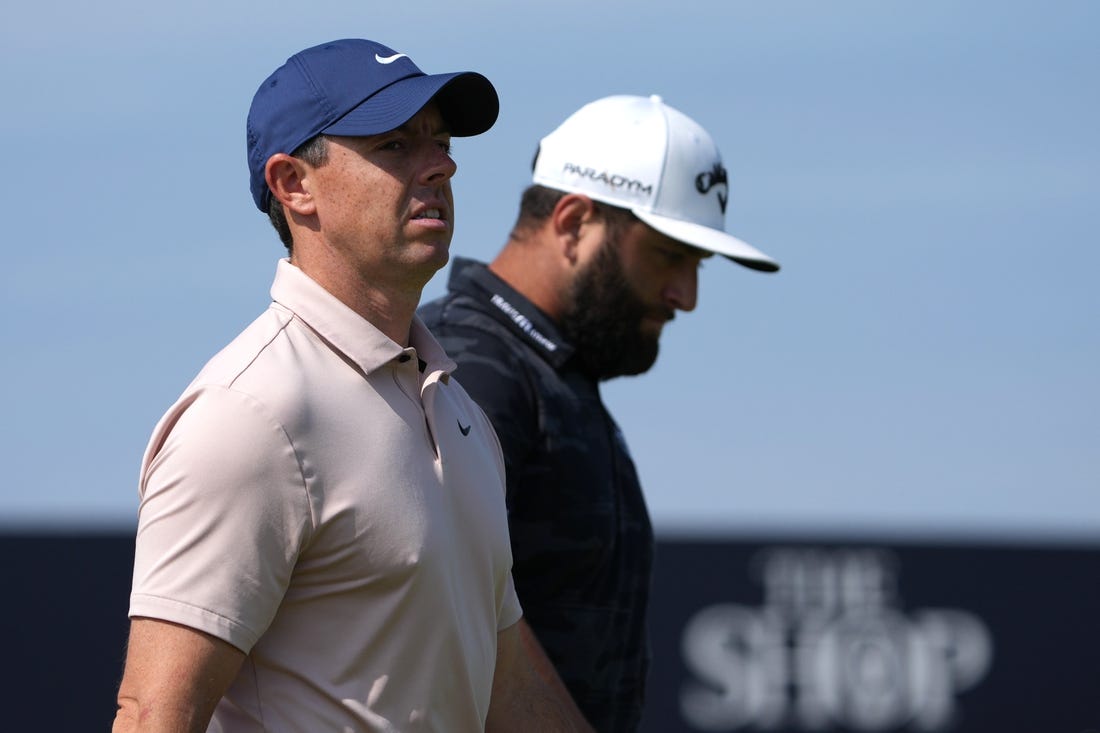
(322, 541)
(629, 197)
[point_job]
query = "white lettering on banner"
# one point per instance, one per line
(829, 648)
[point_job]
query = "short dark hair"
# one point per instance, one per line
(538, 202)
(314, 152)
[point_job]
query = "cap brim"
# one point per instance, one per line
(466, 99)
(711, 240)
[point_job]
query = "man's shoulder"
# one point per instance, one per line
(467, 331)
(468, 298)
(244, 352)
(457, 310)
(464, 314)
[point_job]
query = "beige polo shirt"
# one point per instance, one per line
(320, 502)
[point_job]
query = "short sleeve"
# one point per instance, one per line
(223, 516)
(509, 610)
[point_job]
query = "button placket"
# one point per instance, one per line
(407, 375)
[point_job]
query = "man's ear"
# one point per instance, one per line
(572, 212)
(287, 177)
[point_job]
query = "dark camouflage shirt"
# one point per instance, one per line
(582, 543)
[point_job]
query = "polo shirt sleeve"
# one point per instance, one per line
(223, 515)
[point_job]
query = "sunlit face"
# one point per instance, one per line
(384, 202)
(624, 296)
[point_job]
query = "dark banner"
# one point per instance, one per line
(748, 636)
(838, 637)
(64, 628)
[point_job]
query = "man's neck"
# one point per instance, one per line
(389, 312)
(387, 307)
(531, 273)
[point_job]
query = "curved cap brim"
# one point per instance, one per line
(466, 99)
(711, 240)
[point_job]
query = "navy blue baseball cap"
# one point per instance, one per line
(355, 87)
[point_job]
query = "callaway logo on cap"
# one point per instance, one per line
(640, 154)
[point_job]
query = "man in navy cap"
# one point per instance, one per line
(322, 541)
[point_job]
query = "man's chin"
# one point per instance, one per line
(434, 251)
(425, 259)
(635, 361)
(653, 327)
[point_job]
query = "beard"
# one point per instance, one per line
(604, 320)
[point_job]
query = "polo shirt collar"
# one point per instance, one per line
(347, 331)
(505, 304)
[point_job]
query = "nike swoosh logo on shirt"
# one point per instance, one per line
(464, 430)
(389, 59)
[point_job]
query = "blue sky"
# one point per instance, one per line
(927, 173)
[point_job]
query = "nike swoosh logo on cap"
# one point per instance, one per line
(389, 59)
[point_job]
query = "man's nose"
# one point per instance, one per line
(438, 164)
(682, 289)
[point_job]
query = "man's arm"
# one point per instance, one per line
(527, 693)
(173, 679)
(544, 668)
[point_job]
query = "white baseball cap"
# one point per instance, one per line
(638, 153)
